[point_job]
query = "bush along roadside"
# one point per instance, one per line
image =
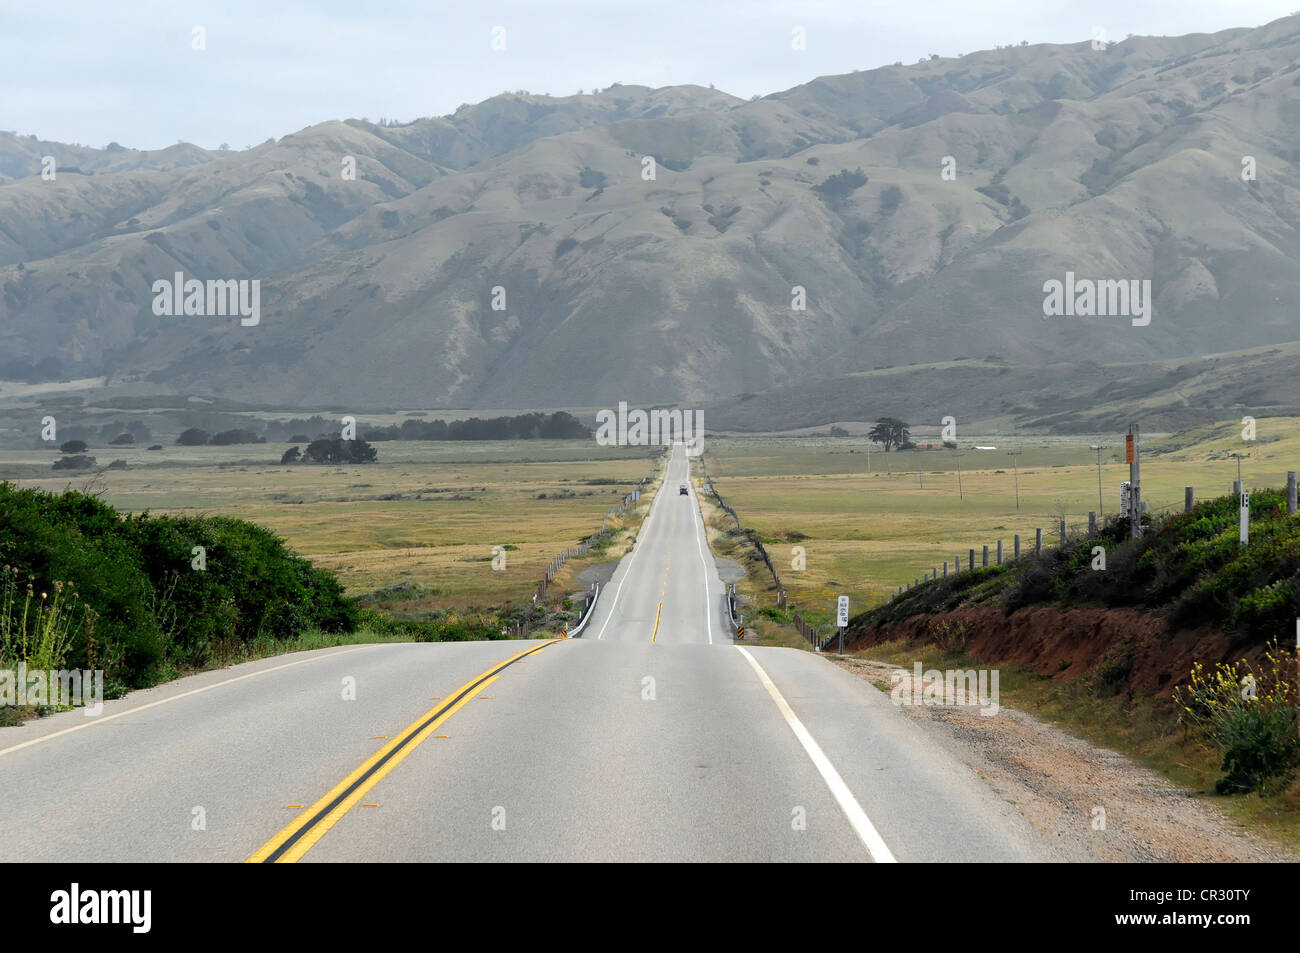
(145, 597)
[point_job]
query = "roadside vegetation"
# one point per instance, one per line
(144, 596)
(1190, 566)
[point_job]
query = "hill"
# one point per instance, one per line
(1119, 163)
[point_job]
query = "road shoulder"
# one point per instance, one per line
(1058, 782)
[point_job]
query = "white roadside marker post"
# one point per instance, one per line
(842, 618)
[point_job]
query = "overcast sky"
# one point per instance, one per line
(96, 71)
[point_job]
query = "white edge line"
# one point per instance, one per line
(857, 817)
(708, 603)
(172, 698)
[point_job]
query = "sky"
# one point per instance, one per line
(128, 71)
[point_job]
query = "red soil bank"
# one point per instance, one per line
(1044, 638)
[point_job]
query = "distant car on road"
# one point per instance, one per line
(682, 490)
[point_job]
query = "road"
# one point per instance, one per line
(654, 736)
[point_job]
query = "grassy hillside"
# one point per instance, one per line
(1190, 567)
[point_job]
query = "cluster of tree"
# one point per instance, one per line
(300, 429)
(332, 450)
(838, 187)
(556, 426)
(197, 437)
(79, 462)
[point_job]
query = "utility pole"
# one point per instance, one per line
(960, 494)
(1101, 503)
(1240, 486)
(1016, 468)
(1133, 455)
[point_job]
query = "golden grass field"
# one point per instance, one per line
(432, 512)
(447, 505)
(872, 529)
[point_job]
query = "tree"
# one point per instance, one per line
(891, 432)
(338, 450)
(292, 455)
(73, 446)
(836, 188)
(194, 437)
(74, 463)
(122, 440)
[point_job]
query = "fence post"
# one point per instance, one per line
(1236, 488)
(1290, 492)
(972, 559)
(999, 552)
(1016, 544)
(1092, 523)
(945, 570)
(1189, 499)
(986, 556)
(1062, 534)
(957, 569)
(1038, 541)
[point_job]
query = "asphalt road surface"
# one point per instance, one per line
(654, 736)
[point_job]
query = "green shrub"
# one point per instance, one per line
(1248, 715)
(151, 609)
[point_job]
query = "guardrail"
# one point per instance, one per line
(736, 621)
(587, 613)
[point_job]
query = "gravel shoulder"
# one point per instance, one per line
(1058, 782)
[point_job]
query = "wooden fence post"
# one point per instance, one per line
(1038, 541)
(1016, 544)
(986, 557)
(999, 552)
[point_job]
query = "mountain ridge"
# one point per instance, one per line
(1117, 163)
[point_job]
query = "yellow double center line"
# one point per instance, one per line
(307, 828)
(672, 525)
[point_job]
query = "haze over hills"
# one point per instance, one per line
(1119, 163)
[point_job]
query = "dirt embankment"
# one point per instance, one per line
(1131, 650)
